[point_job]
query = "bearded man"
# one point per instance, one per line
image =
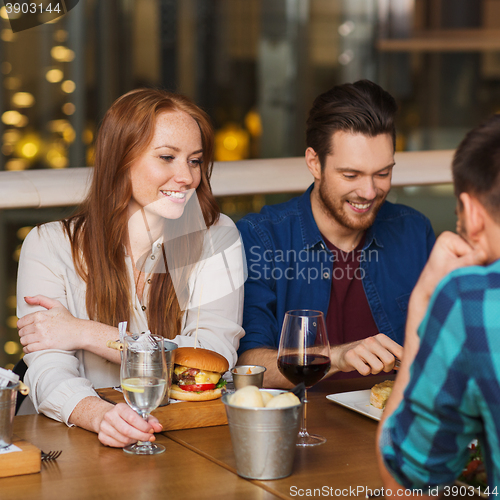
(340, 248)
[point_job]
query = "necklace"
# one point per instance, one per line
(141, 283)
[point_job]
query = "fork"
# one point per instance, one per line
(51, 455)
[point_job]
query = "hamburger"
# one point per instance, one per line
(197, 374)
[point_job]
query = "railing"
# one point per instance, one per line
(55, 188)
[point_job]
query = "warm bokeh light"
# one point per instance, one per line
(7, 35)
(6, 67)
(12, 347)
(16, 164)
(23, 99)
(253, 123)
(87, 136)
(68, 108)
(12, 321)
(56, 156)
(64, 128)
(29, 147)
(29, 150)
(62, 54)
(54, 75)
(90, 156)
(22, 232)
(68, 86)
(3, 13)
(16, 254)
(12, 82)
(231, 143)
(11, 301)
(58, 125)
(69, 134)
(11, 117)
(60, 36)
(11, 136)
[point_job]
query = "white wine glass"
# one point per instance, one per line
(304, 356)
(143, 376)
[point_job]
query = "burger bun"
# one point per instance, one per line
(203, 359)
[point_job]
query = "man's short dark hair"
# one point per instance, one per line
(362, 107)
(476, 164)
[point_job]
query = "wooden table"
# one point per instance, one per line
(199, 463)
(88, 470)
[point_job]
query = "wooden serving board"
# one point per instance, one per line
(176, 416)
(27, 461)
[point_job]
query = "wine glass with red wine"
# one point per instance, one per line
(304, 356)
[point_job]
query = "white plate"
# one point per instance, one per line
(358, 401)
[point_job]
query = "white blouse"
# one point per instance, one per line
(59, 380)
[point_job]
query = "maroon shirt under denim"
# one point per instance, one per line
(349, 317)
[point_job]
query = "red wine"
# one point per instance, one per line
(310, 368)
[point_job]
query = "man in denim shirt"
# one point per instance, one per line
(340, 247)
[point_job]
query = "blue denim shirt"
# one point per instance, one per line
(290, 267)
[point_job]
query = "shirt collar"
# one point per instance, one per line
(373, 236)
(310, 232)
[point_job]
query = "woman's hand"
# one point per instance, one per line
(121, 426)
(55, 328)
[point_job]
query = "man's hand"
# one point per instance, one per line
(368, 356)
(55, 328)
(121, 426)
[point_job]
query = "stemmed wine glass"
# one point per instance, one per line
(143, 378)
(303, 356)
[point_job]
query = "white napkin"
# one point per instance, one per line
(7, 376)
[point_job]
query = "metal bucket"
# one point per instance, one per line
(169, 353)
(8, 396)
(244, 375)
(263, 439)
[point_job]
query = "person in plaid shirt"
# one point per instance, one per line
(448, 389)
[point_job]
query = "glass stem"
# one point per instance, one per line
(145, 416)
(303, 428)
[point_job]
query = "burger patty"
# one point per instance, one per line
(187, 377)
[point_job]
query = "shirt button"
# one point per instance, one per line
(143, 308)
(326, 275)
(149, 281)
(158, 245)
(152, 257)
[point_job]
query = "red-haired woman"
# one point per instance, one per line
(148, 246)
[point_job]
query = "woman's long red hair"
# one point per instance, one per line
(99, 229)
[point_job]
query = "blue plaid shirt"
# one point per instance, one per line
(454, 391)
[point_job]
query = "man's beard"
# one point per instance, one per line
(336, 210)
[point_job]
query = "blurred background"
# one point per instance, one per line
(255, 66)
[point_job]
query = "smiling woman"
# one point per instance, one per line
(148, 246)
(167, 173)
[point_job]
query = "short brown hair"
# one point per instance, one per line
(360, 107)
(476, 164)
